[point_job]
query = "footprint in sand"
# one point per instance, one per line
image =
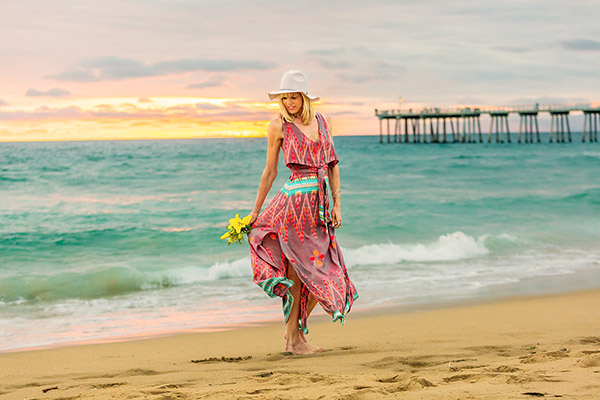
(403, 363)
(128, 373)
(175, 385)
(505, 369)
(414, 383)
(405, 381)
(502, 351)
(544, 357)
(590, 340)
(589, 361)
(457, 368)
(460, 377)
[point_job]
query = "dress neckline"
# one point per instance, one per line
(306, 136)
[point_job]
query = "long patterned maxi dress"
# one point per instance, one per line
(296, 231)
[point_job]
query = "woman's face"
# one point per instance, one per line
(292, 102)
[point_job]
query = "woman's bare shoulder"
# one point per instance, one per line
(276, 122)
(276, 127)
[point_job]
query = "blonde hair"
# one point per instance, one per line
(307, 114)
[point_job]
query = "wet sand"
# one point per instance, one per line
(527, 347)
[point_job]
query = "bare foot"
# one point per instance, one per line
(297, 346)
(313, 349)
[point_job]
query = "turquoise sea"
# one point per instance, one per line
(114, 239)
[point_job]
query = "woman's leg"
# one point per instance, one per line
(312, 302)
(291, 327)
(295, 342)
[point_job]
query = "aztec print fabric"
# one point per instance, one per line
(296, 231)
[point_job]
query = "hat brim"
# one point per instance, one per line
(275, 95)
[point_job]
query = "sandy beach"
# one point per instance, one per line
(527, 347)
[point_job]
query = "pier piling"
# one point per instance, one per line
(500, 118)
(590, 120)
(527, 118)
(558, 118)
(380, 129)
(388, 130)
(471, 124)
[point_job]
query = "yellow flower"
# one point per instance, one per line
(238, 223)
(237, 228)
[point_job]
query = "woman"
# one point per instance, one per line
(293, 249)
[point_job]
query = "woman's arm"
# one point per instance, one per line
(275, 138)
(334, 183)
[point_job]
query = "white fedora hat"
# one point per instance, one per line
(293, 81)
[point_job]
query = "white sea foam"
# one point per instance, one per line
(199, 299)
(450, 247)
(591, 153)
(192, 274)
(453, 246)
(234, 269)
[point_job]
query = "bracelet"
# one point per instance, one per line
(336, 193)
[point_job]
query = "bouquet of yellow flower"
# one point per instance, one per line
(237, 227)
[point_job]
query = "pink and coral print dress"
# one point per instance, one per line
(296, 231)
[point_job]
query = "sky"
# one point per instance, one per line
(132, 69)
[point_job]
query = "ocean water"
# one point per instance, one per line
(116, 239)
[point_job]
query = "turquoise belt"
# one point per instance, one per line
(306, 179)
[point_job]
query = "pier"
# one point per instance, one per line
(439, 125)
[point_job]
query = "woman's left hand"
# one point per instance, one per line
(253, 215)
(336, 216)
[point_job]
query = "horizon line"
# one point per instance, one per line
(151, 138)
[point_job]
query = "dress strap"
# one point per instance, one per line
(319, 117)
(285, 126)
(322, 123)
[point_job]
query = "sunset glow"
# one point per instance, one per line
(133, 70)
(123, 118)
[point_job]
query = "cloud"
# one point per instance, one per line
(383, 67)
(213, 81)
(580, 44)
(379, 71)
(328, 64)
(357, 78)
(364, 51)
(230, 111)
(549, 100)
(3, 103)
(511, 49)
(336, 113)
(144, 100)
(204, 106)
(54, 92)
(42, 113)
(326, 52)
(465, 100)
(113, 68)
(75, 75)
